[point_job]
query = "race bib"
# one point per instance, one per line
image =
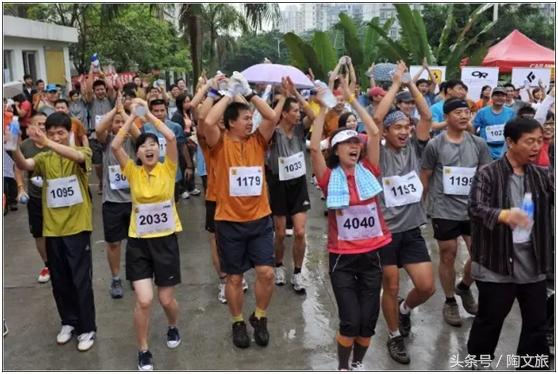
(162, 146)
(154, 218)
(358, 222)
(245, 181)
(402, 190)
(117, 180)
(292, 167)
(495, 133)
(457, 180)
(63, 192)
(98, 119)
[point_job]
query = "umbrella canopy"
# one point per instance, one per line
(12, 88)
(272, 74)
(517, 50)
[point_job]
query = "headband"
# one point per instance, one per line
(393, 117)
(452, 105)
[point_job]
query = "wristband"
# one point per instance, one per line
(351, 99)
(250, 96)
(306, 105)
(158, 124)
(504, 215)
(213, 93)
(122, 133)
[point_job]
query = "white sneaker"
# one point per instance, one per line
(86, 341)
(44, 275)
(185, 195)
(244, 285)
(289, 232)
(357, 366)
(221, 296)
(65, 334)
(298, 282)
(280, 276)
(195, 192)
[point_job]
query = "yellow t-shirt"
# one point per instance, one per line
(152, 187)
(64, 220)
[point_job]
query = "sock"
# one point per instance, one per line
(450, 300)
(278, 264)
(116, 277)
(344, 348)
(462, 286)
(403, 308)
(394, 334)
(297, 270)
(238, 318)
(259, 313)
(359, 349)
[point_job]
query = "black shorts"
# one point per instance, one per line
(35, 216)
(210, 207)
(356, 281)
(288, 198)
(116, 221)
(243, 245)
(97, 150)
(406, 247)
(445, 229)
(157, 258)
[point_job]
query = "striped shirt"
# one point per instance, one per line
(492, 244)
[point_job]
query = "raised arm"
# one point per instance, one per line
(425, 121)
(211, 128)
(545, 106)
(39, 137)
(385, 105)
(334, 75)
(104, 126)
(116, 144)
(319, 166)
(269, 121)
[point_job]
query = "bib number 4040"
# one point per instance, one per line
(356, 223)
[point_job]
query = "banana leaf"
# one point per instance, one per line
(324, 50)
(472, 19)
(409, 32)
(294, 45)
(314, 62)
(442, 45)
(423, 37)
(395, 51)
(353, 47)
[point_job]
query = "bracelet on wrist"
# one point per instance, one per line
(351, 99)
(250, 96)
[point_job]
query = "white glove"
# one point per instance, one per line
(244, 85)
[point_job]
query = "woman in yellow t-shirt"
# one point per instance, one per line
(152, 248)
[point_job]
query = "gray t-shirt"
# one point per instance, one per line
(524, 265)
(97, 109)
(283, 146)
(78, 110)
(30, 150)
(472, 152)
(110, 194)
(400, 163)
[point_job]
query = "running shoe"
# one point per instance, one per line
(289, 232)
(397, 350)
(65, 334)
(261, 335)
(451, 314)
(240, 335)
(173, 338)
(221, 296)
(116, 290)
(404, 321)
(85, 341)
(357, 366)
(44, 275)
(298, 283)
(195, 192)
(280, 276)
(185, 195)
(468, 300)
(145, 361)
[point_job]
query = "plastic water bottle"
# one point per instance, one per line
(12, 135)
(23, 199)
(523, 234)
(95, 62)
(329, 100)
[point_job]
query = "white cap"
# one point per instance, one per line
(342, 136)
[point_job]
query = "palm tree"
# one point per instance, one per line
(224, 19)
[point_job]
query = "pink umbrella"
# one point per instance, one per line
(272, 74)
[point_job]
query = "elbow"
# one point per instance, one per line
(426, 116)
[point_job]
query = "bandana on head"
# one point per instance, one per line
(452, 105)
(393, 117)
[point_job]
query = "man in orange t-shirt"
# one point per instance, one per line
(243, 225)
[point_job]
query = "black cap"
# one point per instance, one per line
(404, 96)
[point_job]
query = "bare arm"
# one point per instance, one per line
(65, 151)
(211, 129)
(104, 126)
(385, 105)
(116, 145)
(319, 166)
(425, 121)
(333, 75)
(269, 122)
(21, 162)
(425, 175)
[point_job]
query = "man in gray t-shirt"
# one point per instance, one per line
(288, 190)
(449, 163)
(117, 206)
(400, 160)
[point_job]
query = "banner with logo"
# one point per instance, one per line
(438, 71)
(475, 77)
(530, 77)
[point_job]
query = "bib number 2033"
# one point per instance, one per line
(245, 181)
(154, 218)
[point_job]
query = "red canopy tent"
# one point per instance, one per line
(517, 50)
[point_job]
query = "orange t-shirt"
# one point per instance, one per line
(229, 153)
(210, 194)
(331, 123)
(78, 130)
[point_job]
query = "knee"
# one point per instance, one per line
(447, 257)
(113, 246)
(266, 275)
(426, 290)
(391, 286)
(144, 302)
(299, 234)
(234, 281)
(166, 300)
(279, 235)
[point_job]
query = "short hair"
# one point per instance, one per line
(421, 81)
(36, 114)
(73, 92)
(39, 81)
(129, 86)
(233, 111)
(142, 139)
(58, 119)
(27, 76)
(484, 88)
(19, 98)
(172, 86)
(453, 83)
(509, 85)
(99, 82)
(129, 93)
(536, 89)
(526, 109)
(62, 101)
(178, 80)
(152, 103)
(344, 118)
(518, 126)
(288, 102)
(549, 116)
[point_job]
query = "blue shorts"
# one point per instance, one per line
(243, 245)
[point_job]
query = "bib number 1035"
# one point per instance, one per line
(245, 181)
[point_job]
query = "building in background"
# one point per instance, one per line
(37, 48)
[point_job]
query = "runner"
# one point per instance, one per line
(452, 89)
(449, 163)
(288, 189)
(356, 229)
(490, 121)
(117, 206)
(400, 159)
(30, 149)
(67, 225)
(152, 247)
(78, 134)
(243, 227)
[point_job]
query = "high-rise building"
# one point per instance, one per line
(292, 20)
